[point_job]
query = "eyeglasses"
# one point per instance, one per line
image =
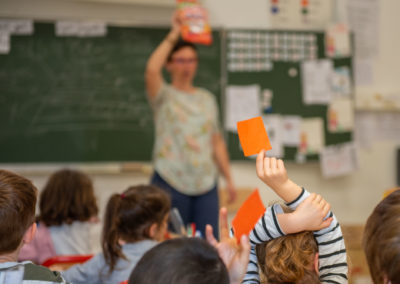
(180, 60)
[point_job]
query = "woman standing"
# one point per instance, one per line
(189, 148)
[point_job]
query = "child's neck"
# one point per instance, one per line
(10, 257)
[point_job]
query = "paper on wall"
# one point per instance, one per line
(273, 125)
(242, 102)
(17, 27)
(340, 115)
(363, 19)
(80, 29)
(363, 71)
(312, 138)
(5, 44)
(339, 160)
(337, 41)
(341, 85)
(291, 130)
(316, 80)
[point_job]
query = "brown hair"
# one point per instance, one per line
(67, 197)
(381, 240)
(17, 209)
(289, 259)
(129, 216)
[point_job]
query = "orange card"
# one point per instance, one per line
(253, 136)
(248, 214)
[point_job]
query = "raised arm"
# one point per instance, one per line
(153, 73)
(273, 173)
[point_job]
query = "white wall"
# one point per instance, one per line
(352, 197)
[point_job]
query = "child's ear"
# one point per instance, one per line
(316, 263)
(153, 230)
(30, 234)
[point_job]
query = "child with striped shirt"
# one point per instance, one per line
(280, 243)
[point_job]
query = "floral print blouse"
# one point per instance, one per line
(183, 152)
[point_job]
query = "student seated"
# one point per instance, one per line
(381, 240)
(68, 223)
(193, 260)
(301, 257)
(134, 222)
(17, 219)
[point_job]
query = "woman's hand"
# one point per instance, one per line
(176, 22)
(235, 257)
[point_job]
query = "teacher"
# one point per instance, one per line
(189, 148)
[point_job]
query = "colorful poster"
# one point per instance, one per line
(340, 115)
(312, 138)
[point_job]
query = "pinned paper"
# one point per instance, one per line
(341, 86)
(273, 125)
(5, 45)
(341, 116)
(339, 160)
(81, 29)
(316, 79)
(253, 136)
(248, 215)
(291, 130)
(242, 102)
(337, 41)
(312, 138)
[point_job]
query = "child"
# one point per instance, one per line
(68, 218)
(17, 219)
(134, 222)
(381, 240)
(193, 260)
(310, 214)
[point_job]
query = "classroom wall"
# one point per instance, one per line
(352, 197)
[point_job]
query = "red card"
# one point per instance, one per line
(253, 136)
(248, 214)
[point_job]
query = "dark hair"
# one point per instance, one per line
(67, 197)
(180, 261)
(178, 46)
(129, 217)
(381, 240)
(17, 209)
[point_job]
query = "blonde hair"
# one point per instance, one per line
(288, 259)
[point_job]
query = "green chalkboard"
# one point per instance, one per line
(287, 90)
(71, 99)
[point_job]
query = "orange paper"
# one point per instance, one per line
(248, 214)
(253, 136)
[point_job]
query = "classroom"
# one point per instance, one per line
(74, 77)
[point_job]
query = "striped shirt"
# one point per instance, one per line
(331, 247)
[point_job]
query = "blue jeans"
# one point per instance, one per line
(200, 209)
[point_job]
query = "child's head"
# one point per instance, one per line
(381, 240)
(181, 261)
(139, 213)
(17, 210)
(67, 197)
(289, 259)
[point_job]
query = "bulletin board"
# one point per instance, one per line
(274, 70)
